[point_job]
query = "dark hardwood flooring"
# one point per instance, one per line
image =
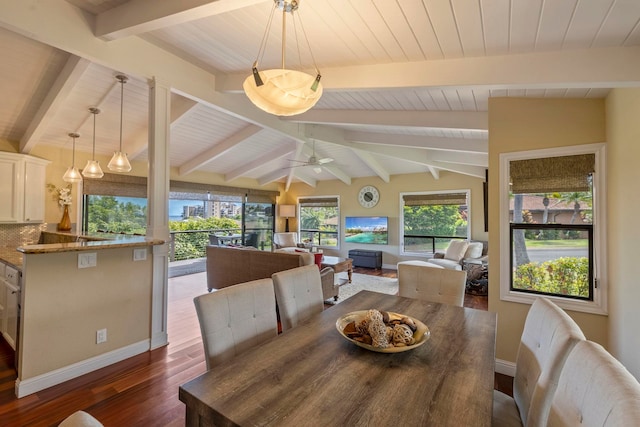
(142, 390)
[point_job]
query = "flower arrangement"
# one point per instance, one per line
(63, 195)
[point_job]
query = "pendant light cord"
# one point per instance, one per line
(121, 108)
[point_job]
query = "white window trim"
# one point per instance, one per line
(401, 216)
(339, 231)
(599, 303)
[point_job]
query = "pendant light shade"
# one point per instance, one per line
(72, 174)
(93, 169)
(119, 162)
(283, 92)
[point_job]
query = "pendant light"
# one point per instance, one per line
(119, 162)
(282, 91)
(72, 174)
(93, 169)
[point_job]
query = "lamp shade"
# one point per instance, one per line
(287, 211)
(284, 92)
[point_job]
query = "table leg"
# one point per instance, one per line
(349, 272)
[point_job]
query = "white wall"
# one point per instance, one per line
(623, 201)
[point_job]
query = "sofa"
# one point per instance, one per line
(227, 266)
(460, 253)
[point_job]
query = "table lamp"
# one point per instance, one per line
(287, 211)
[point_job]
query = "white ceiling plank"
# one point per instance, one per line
(373, 164)
(275, 175)
(473, 159)
(423, 119)
(141, 16)
(495, 23)
(64, 84)
(469, 23)
(434, 143)
(219, 149)
(258, 163)
(338, 173)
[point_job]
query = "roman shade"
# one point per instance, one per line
(313, 202)
(566, 174)
(435, 199)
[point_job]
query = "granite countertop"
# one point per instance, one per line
(12, 257)
(83, 245)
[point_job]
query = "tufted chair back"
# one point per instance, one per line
(298, 293)
(426, 281)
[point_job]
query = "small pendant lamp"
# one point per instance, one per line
(93, 169)
(72, 174)
(119, 162)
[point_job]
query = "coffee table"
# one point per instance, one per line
(339, 265)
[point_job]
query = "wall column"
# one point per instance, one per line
(158, 205)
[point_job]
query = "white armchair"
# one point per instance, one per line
(285, 240)
(461, 252)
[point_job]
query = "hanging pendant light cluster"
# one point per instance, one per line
(93, 169)
(119, 162)
(283, 92)
(72, 174)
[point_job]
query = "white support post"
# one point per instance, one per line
(158, 205)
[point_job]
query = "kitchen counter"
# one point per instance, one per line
(12, 257)
(84, 245)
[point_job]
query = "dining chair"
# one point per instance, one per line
(236, 318)
(595, 389)
(549, 335)
(298, 294)
(429, 282)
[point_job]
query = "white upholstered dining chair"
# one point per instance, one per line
(298, 294)
(236, 318)
(595, 389)
(429, 282)
(548, 337)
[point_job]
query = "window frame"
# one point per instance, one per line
(598, 257)
(299, 206)
(429, 255)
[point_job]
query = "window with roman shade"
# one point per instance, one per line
(430, 220)
(554, 230)
(319, 221)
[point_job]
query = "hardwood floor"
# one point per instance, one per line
(143, 390)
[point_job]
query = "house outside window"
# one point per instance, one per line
(429, 220)
(551, 226)
(319, 221)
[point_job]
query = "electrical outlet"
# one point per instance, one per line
(140, 254)
(86, 260)
(101, 336)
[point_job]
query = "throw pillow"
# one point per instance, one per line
(456, 250)
(474, 250)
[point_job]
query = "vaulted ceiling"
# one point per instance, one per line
(406, 82)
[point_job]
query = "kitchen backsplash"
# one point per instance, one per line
(15, 235)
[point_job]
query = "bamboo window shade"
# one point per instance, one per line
(457, 199)
(566, 174)
(318, 202)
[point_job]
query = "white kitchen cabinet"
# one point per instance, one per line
(10, 287)
(22, 188)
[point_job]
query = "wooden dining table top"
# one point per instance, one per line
(311, 375)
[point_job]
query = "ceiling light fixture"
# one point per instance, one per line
(119, 162)
(283, 92)
(72, 174)
(93, 169)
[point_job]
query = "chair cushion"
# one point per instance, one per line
(446, 263)
(474, 250)
(505, 411)
(456, 250)
(286, 239)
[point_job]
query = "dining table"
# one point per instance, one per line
(311, 375)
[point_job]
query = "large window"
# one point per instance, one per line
(430, 220)
(552, 225)
(319, 219)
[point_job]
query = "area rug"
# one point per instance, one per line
(360, 282)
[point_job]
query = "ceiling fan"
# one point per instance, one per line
(312, 161)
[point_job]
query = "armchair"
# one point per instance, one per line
(460, 253)
(285, 240)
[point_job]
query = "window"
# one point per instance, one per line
(430, 220)
(319, 221)
(551, 226)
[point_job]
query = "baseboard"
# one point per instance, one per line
(505, 368)
(58, 376)
(390, 266)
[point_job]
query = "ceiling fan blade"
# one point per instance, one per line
(325, 160)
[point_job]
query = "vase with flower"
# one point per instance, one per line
(64, 200)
